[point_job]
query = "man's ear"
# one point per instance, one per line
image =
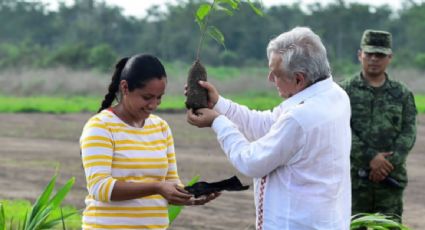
(359, 55)
(124, 87)
(300, 78)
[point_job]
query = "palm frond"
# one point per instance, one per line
(375, 221)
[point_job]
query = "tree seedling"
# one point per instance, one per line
(196, 96)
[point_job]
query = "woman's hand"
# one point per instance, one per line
(205, 198)
(175, 194)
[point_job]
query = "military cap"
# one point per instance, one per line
(376, 41)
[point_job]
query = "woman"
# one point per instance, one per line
(128, 153)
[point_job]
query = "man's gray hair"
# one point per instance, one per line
(302, 51)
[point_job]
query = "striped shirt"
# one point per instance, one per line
(114, 151)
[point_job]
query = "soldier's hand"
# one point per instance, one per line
(380, 167)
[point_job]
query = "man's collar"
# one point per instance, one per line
(308, 92)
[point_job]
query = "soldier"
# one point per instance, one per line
(383, 126)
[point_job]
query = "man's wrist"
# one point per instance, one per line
(222, 105)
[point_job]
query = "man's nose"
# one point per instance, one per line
(270, 77)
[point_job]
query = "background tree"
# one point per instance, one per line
(33, 36)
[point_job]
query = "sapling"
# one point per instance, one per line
(197, 97)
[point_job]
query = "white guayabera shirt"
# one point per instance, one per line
(298, 155)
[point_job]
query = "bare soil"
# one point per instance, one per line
(32, 145)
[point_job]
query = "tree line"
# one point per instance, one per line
(92, 34)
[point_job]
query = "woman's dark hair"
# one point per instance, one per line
(137, 71)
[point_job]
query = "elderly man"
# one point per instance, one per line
(384, 129)
(299, 152)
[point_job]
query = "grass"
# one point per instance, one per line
(254, 100)
(91, 104)
(48, 104)
(420, 103)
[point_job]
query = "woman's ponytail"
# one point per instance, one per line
(114, 85)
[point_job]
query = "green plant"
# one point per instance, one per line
(2, 218)
(374, 221)
(420, 60)
(196, 95)
(203, 13)
(174, 210)
(37, 217)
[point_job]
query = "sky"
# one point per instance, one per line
(138, 8)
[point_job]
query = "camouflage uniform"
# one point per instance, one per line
(383, 120)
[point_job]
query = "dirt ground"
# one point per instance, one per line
(32, 145)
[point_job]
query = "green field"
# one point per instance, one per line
(91, 104)
(420, 103)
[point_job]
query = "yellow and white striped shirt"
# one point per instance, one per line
(114, 151)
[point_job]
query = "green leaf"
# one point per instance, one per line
(231, 3)
(216, 35)
(224, 9)
(255, 9)
(60, 195)
(374, 221)
(53, 222)
(62, 220)
(39, 218)
(41, 201)
(43, 213)
(201, 24)
(24, 221)
(193, 180)
(2, 218)
(174, 210)
(380, 228)
(203, 11)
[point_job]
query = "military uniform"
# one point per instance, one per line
(383, 120)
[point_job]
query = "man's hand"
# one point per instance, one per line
(201, 117)
(212, 93)
(380, 167)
